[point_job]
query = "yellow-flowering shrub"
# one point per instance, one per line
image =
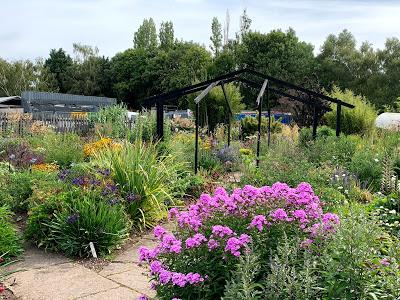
(45, 167)
(90, 149)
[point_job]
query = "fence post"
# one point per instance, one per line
(160, 120)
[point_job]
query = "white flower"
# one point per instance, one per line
(340, 188)
(376, 160)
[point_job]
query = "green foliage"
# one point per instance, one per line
(146, 36)
(367, 165)
(242, 285)
(350, 264)
(216, 37)
(359, 120)
(305, 135)
(22, 75)
(111, 121)
(145, 128)
(249, 126)
(139, 170)
(10, 243)
(16, 188)
(278, 54)
(41, 215)
(58, 64)
(89, 219)
(60, 148)
(166, 35)
(292, 273)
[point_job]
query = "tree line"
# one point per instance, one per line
(159, 62)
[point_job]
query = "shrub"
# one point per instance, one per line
(110, 121)
(249, 125)
(20, 155)
(10, 244)
(354, 263)
(40, 217)
(143, 177)
(89, 219)
(60, 148)
(359, 120)
(367, 165)
(305, 135)
(219, 229)
(16, 189)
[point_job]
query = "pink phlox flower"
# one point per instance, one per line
(147, 254)
(194, 278)
(178, 279)
(173, 213)
(159, 231)
(195, 241)
(156, 267)
(300, 215)
(279, 215)
(170, 244)
(221, 231)
(212, 244)
(258, 221)
(234, 244)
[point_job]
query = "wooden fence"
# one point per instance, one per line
(22, 124)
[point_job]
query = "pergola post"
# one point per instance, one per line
(338, 117)
(160, 120)
(230, 113)
(315, 123)
(197, 102)
(269, 119)
(259, 103)
(196, 146)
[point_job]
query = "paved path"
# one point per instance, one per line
(48, 276)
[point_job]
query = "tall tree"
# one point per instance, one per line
(166, 35)
(89, 74)
(245, 23)
(216, 36)
(23, 75)
(146, 36)
(58, 64)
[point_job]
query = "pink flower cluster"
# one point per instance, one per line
(175, 278)
(234, 244)
(260, 208)
(299, 205)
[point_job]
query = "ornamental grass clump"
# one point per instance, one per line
(212, 235)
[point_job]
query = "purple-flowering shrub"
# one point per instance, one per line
(197, 260)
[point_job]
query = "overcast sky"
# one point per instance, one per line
(30, 28)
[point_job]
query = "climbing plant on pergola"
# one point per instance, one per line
(265, 84)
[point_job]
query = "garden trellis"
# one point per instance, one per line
(265, 84)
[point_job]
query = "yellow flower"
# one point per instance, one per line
(90, 149)
(45, 167)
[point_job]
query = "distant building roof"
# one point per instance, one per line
(62, 103)
(9, 98)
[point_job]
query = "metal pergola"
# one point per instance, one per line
(265, 84)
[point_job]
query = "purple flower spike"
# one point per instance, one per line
(72, 218)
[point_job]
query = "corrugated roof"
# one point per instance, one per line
(5, 99)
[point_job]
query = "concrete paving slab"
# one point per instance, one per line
(135, 279)
(131, 253)
(58, 282)
(115, 268)
(120, 293)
